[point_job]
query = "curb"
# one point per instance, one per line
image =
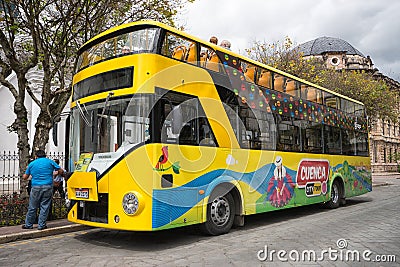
(381, 184)
(28, 234)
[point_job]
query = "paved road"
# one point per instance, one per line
(367, 226)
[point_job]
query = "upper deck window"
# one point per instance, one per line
(138, 41)
(179, 48)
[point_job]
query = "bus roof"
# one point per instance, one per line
(215, 47)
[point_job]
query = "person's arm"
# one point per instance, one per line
(27, 173)
(60, 171)
(57, 168)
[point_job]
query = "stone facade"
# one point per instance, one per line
(384, 146)
(384, 135)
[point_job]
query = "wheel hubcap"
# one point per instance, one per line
(220, 211)
(335, 193)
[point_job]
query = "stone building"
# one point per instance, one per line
(384, 135)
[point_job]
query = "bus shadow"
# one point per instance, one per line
(165, 239)
(268, 218)
(143, 241)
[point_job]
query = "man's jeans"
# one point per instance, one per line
(40, 197)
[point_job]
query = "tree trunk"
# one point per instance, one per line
(21, 127)
(42, 129)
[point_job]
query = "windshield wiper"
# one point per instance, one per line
(85, 119)
(110, 94)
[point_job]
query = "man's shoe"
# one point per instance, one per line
(27, 227)
(42, 228)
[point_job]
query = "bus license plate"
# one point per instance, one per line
(82, 192)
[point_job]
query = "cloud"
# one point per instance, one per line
(370, 26)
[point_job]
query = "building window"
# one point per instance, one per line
(384, 155)
(335, 61)
(375, 154)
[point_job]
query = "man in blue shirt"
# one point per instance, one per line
(41, 170)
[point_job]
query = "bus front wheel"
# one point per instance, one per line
(220, 214)
(336, 195)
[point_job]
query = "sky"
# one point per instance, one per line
(371, 26)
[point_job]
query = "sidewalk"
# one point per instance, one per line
(384, 178)
(14, 233)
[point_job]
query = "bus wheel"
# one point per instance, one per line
(336, 196)
(220, 214)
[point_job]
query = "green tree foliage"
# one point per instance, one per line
(45, 35)
(380, 101)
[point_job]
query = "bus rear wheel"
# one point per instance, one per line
(336, 196)
(220, 214)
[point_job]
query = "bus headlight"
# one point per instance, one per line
(130, 203)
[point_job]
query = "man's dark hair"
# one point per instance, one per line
(40, 153)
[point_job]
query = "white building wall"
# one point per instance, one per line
(8, 141)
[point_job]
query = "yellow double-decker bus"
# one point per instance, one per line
(168, 130)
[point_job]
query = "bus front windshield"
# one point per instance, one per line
(136, 41)
(110, 125)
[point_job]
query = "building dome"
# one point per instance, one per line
(324, 45)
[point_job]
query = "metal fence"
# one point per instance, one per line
(9, 171)
(12, 207)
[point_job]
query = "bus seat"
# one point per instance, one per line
(312, 95)
(291, 87)
(265, 79)
(278, 83)
(179, 52)
(212, 64)
(249, 73)
(191, 54)
(304, 91)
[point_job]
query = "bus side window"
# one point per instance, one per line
(250, 72)
(347, 106)
(179, 48)
(314, 95)
(213, 63)
(179, 52)
(361, 144)
(279, 82)
(312, 137)
(289, 135)
(265, 79)
(330, 100)
(311, 94)
(191, 56)
(348, 142)
(180, 119)
(206, 134)
(291, 87)
(332, 140)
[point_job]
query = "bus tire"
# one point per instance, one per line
(220, 214)
(336, 195)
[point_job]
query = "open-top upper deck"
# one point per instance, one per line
(147, 34)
